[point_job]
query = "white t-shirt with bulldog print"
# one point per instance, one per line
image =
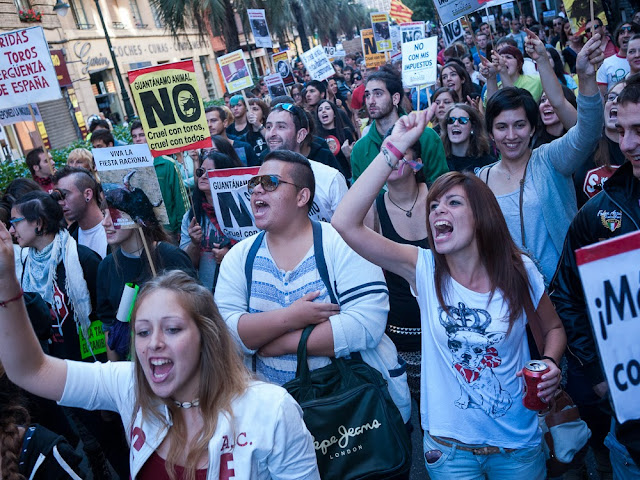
(469, 388)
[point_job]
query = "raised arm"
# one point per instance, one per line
(348, 219)
(566, 112)
(21, 354)
(589, 57)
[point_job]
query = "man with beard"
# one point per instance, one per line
(383, 93)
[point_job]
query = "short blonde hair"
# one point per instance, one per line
(81, 157)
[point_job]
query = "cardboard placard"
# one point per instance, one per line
(419, 62)
(130, 168)
(450, 10)
(381, 33)
(283, 67)
(27, 74)
(232, 201)
(317, 63)
(396, 39)
(235, 71)
(9, 116)
(412, 31)
(579, 14)
(372, 58)
(610, 273)
(453, 32)
(170, 107)
(259, 27)
(275, 85)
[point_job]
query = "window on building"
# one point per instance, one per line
(135, 12)
(80, 14)
(22, 5)
(156, 16)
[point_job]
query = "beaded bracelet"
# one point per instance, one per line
(18, 297)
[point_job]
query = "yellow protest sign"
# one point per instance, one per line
(235, 71)
(579, 13)
(372, 58)
(170, 107)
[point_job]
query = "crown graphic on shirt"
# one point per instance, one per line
(464, 318)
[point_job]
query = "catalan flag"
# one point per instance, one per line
(400, 12)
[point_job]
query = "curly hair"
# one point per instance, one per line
(12, 415)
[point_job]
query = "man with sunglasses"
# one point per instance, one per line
(608, 47)
(287, 128)
(616, 67)
(302, 273)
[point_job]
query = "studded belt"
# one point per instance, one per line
(403, 330)
(488, 450)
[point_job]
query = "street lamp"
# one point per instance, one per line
(61, 9)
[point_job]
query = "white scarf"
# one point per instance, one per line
(40, 274)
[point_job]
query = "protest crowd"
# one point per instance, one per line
(410, 243)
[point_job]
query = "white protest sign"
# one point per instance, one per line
(235, 71)
(259, 27)
(9, 116)
(419, 65)
(396, 39)
(610, 273)
(450, 10)
(130, 170)
(317, 63)
(381, 32)
(452, 32)
(27, 74)
(232, 201)
(412, 31)
(275, 84)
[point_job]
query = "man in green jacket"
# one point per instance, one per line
(383, 95)
(174, 193)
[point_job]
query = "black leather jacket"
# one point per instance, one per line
(613, 212)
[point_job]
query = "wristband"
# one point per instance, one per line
(17, 297)
(392, 148)
(387, 159)
(545, 357)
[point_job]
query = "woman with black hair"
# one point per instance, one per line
(201, 236)
(456, 77)
(338, 136)
(130, 216)
(535, 188)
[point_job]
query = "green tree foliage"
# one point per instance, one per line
(422, 10)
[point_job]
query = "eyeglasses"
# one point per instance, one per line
(461, 120)
(557, 24)
(14, 221)
(268, 182)
(200, 172)
(626, 28)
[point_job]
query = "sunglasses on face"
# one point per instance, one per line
(200, 172)
(592, 29)
(461, 120)
(269, 183)
(626, 28)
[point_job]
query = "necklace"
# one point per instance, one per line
(406, 212)
(194, 403)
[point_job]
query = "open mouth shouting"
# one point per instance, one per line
(443, 230)
(160, 369)
(260, 208)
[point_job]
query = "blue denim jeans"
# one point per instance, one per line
(621, 462)
(523, 463)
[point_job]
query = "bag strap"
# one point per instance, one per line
(535, 338)
(321, 263)
(248, 265)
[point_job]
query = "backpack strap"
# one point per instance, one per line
(321, 263)
(248, 266)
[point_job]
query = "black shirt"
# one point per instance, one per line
(468, 164)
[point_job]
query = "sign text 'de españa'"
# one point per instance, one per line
(419, 65)
(235, 71)
(610, 274)
(27, 74)
(259, 27)
(170, 107)
(317, 63)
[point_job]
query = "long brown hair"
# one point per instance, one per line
(479, 140)
(12, 414)
(498, 253)
(223, 377)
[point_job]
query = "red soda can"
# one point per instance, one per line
(532, 372)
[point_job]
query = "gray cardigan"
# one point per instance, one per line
(552, 166)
